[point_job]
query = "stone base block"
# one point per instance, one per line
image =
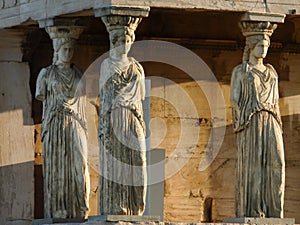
(261, 221)
(234, 221)
(124, 218)
(58, 221)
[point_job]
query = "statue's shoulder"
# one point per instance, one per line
(238, 71)
(271, 68)
(44, 72)
(133, 60)
(138, 65)
(105, 64)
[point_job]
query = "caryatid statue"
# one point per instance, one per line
(60, 87)
(123, 178)
(260, 164)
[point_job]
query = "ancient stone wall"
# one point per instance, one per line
(16, 134)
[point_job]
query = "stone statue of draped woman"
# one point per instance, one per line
(66, 178)
(121, 129)
(260, 165)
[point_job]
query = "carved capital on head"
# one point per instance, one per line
(258, 23)
(250, 28)
(62, 35)
(58, 32)
(114, 22)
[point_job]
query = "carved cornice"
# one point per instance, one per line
(263, 17)
(122, 10)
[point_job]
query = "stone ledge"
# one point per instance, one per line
(123, 218)
(154, 223)
(122, 10)
(151, 223)
(57, 221)
(261, 221)
(261, 16)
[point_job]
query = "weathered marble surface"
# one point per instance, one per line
(261, 221)
(61, 88)
(123, 178)
(124, 218)
(260, 164)
(15, 12)
(154, 223)
(16, 133)
(16, 145)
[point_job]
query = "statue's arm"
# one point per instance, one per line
(235, 94)
(104, 73)
(235, 87)
(41, 85)
(81, 88)
(143, 89)
(276, 95)
(276, 91)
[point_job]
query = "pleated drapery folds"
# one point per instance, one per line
(123, 178)
(65, 170)
(260, 165)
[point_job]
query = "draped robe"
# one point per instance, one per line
(260, 165)
(123, 178)
(65, 170)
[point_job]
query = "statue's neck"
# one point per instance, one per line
(121, 60)
(63, 65)
(118, 56)
(257, 63)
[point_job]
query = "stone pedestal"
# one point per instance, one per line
(123, 218)
(244, 221)
(155, 188)
(260, 221)
(57, 221)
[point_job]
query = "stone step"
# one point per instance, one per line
(260, 221)
(155, 220)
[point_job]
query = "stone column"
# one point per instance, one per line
(16, 132)
(123, 176)
(61, 88)
(260, 163)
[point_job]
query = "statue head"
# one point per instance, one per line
(256, 45)
(63, 50)
(257, 35)
(121, 31)
(121, 39)
(63, 38)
